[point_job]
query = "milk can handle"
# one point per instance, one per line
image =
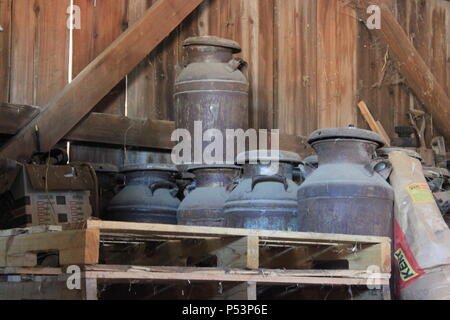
(164, 185)
(274, 178)
(238, 63)
(189, 189)
(383, 167)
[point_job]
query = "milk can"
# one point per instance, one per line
(211, 88)
(266, 196)
(346, 194)
(205, 199)
(149, 195)
(107, 182)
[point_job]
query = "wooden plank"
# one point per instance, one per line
(39, 54)
(51, 54)
(242, 253)
(412, 66)
(296, 66)
(74, 247)
(141, 94)
(384, 133)
(226, 277)
(374, 125)
(102, 21)
(24, 18)
(218, 271)
(14, 117)
(257, 41)
(5, 48)
(129, 227)
(336, 61)
(95, 81)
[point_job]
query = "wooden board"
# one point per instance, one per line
(296, 68)
(102, 21)
(5, 47)
(336, 64)
(172, 255)
(40, 51)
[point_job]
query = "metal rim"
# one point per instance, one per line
(148, 167)
(346, 133)
(213, 41)
(266, 155)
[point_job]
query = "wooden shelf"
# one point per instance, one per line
(111, 253)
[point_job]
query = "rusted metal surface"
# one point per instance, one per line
(345, 194)
(266, 196)
(205, 199)
(211, 88)
(149, 195)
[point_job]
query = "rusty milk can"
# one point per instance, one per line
(211, 88)
(205, 199)
(346, 194)
(266, 196)
(149, 195)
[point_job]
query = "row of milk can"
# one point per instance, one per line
(344, 188)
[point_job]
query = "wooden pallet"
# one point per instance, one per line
(236, 260)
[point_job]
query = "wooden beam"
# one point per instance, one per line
(97, 128)
(13, 117)
(120, 130)
(411, 65)
(78, 98)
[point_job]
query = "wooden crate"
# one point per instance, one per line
(221, 262)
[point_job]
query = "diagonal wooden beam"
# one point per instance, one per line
(78, 98)
(412, 66)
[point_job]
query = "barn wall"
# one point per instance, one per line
(310, 61)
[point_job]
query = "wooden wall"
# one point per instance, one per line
(427, 22)
(310, 61)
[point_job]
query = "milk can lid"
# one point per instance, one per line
(194, 167)
(148, 167)
(213, 41)
(268, 155)
(346, 133)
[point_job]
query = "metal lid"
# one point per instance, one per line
(105, 167)
(213, 41)
(194, 167)
(411, 153)
(346, 133)
(148, 167)
(266, 155)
